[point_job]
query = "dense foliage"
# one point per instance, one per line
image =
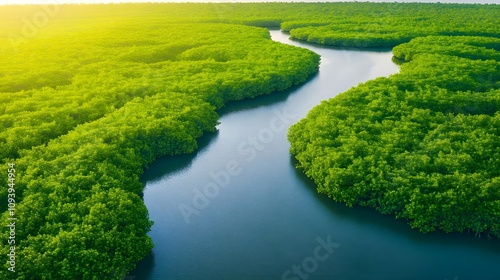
(394, 24)
(423, 144)
(91, 94)
(336, 24)
(83, 115)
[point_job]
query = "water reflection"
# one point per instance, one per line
(269, 216)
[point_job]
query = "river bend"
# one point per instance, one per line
(237, 208)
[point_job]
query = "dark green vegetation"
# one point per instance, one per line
(423, 145)
(92, 96)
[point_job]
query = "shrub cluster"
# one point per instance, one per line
(83, 115)
(423, 144)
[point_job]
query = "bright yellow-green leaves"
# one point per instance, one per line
(91, 97)
(391, 24)
(86, 107)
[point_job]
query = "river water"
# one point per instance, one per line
(238, 209)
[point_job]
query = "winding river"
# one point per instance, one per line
(238, 209)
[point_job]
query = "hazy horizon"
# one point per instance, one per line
(41, 2)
